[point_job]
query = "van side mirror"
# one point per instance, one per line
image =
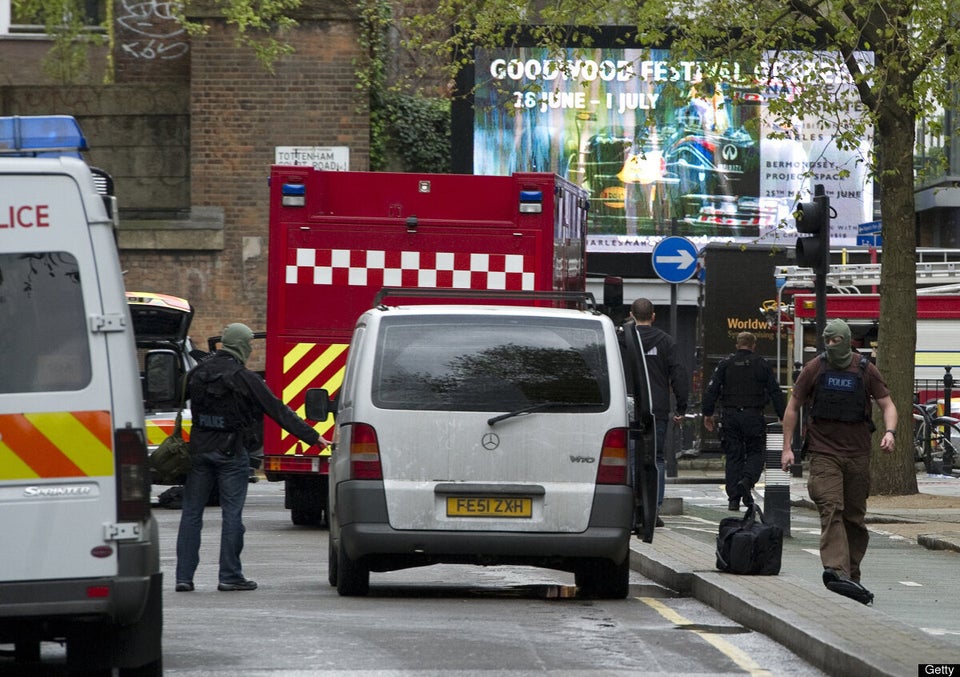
(318, 404)
(161, 382)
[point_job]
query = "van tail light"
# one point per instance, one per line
(613, 458)
(365, 453)
(133, 475)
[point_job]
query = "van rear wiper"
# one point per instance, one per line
(534, 407)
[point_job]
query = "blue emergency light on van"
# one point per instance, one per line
(41, 136)
(293, 195)
(531, 201)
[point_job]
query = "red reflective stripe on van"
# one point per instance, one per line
(59, 444)
(159, 429)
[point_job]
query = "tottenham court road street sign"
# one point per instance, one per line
(675, 259)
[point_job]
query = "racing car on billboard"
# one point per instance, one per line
(707, 179)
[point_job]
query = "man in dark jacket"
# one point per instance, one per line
(664, 372)
(228, 402)
(743, 382)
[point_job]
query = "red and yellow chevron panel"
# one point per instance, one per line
(159, 429)
(56, 444)
(305, 366)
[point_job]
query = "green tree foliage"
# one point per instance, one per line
(409, 130)
(915, 61)
(67, 23)
(417, 130)
(260, 26)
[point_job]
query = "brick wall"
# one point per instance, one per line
(239, 113)
(191, 158)
(149, 45)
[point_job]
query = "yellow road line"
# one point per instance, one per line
(723, 646)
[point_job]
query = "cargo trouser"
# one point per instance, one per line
(839, 485)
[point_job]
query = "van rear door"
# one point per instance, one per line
(514, 405)
(57, 467)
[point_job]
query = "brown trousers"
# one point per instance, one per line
(839, 485)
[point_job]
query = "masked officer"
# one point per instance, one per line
(837, 389)
(227, 402)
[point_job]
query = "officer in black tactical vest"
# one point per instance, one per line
(743, 383)
(227, 402)
(835, 389)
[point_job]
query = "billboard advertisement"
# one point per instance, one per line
(664, 150)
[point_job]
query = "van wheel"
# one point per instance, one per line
(331, 562)
(353, 578)
(602, 579)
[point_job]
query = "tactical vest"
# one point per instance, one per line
(215, 398)
(840, 395)
(744, 382)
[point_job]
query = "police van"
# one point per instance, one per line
(80, 564)
(481, 434)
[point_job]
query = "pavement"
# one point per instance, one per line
(912, 566)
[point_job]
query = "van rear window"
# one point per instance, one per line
(459, 363)
(43, 340)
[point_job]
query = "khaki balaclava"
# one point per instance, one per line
(840, 355)
(236, 341)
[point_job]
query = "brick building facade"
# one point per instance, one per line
(189, 131)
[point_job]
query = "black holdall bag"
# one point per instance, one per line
(748, 546)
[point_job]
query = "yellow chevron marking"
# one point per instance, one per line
(301, 381)
(75, 442)
(295, 354)
(298, 384)
(12, 466)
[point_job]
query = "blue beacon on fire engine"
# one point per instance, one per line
(293, 195)
(531, 201)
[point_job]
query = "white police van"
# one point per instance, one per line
(480, 434)
(80, 562)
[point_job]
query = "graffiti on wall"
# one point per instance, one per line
(148, 30)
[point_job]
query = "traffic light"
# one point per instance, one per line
(813, 218)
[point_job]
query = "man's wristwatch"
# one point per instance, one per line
(892, 431)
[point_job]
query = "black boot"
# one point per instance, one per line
(838, 582)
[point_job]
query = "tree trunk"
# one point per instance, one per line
(894, 473)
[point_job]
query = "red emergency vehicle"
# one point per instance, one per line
(337, 238)
(938, 321)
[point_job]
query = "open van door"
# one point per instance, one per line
(642, 434)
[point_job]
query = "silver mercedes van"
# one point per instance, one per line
(484, 435)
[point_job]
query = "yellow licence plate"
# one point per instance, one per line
(479, 506)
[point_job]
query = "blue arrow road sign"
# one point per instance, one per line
(675, 259)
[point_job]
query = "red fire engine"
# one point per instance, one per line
(337, 238)
(938, 320)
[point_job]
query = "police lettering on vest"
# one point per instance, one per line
(215, 398)
(840, 395)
